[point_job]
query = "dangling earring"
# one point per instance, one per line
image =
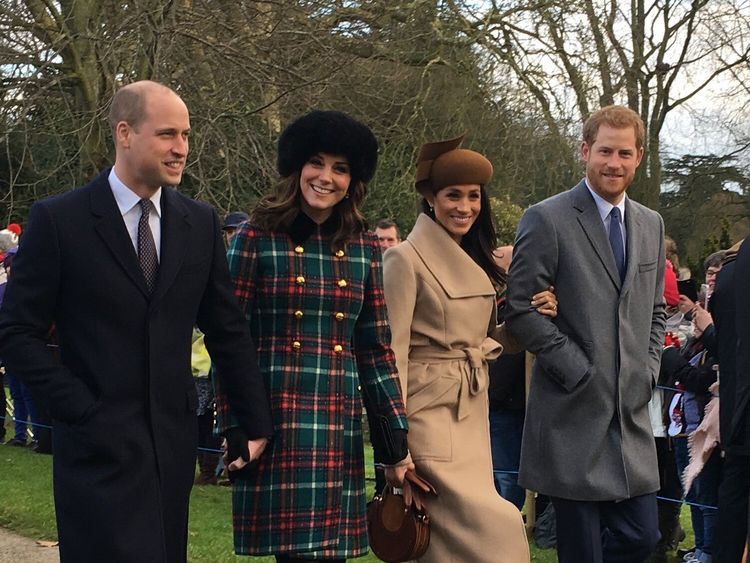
(346, 196)
(432, 209)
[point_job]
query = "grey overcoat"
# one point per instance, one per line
(587, 434)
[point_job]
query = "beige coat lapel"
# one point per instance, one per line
(454, 270)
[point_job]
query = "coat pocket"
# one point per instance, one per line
(647, 266)
(430, 405)
(430, 435)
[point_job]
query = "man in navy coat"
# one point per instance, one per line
(124, 268)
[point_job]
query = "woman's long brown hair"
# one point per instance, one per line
(277, 210)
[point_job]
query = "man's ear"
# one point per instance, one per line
(585, 151)
(640, 156)
(123, 132)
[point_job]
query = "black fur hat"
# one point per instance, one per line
(330, 132)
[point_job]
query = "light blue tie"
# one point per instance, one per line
(615, 241)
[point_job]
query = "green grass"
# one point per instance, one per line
(26, 507)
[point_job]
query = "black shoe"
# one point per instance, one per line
(16, 442)
(33, 445)
(677, 537)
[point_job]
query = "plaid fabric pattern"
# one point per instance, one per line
(319, 321)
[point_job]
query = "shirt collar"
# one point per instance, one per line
(126, 198)
(603, 206)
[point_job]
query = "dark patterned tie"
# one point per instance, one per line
(146, 247)
(615, 241)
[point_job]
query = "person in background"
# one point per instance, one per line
(507, 393)
(387, 232)
(669, 482)
(208, 443)
(8, 239)
(729, 312)
(24, 409)
(711, 267)
(691, 370)
(440, 287)
(5, 244)
(307, 274)
(231, 222)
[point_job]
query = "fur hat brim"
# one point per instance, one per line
(330, 132)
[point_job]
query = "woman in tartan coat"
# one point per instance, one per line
(309, 278)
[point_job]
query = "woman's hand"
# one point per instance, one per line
(239, 452)
(545, 302)
(395, 474)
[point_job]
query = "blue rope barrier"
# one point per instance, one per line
(504, 471)
(32, 424)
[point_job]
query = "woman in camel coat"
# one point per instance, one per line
(440, 287)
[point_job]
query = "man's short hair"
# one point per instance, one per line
(387, 224)
(714, 260)
(129, 103)
(618, 117)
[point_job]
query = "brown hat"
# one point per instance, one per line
(442, 164)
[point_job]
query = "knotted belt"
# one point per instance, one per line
(473, 377)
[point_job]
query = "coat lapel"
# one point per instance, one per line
(109, 224)
(454, 270)
(591, 222)
(175, 227)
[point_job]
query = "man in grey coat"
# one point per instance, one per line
(587, 440)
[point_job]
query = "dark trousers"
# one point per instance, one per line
(731, 529)
(506, 431)
(669, 511)
(23, 407)
(606, 531)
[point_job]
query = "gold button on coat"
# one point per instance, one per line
(339, 316)
(339, 253)
(338, 348)
(299, 249)
(342, 283)
(296, 345)
(299, 314)
(300, 280)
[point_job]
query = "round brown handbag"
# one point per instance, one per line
(398, 532)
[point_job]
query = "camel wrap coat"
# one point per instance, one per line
(440, 305)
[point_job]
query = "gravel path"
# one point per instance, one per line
(17, 549)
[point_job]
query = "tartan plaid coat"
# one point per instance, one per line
(319, 322)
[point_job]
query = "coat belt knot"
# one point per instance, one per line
(474, 376)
